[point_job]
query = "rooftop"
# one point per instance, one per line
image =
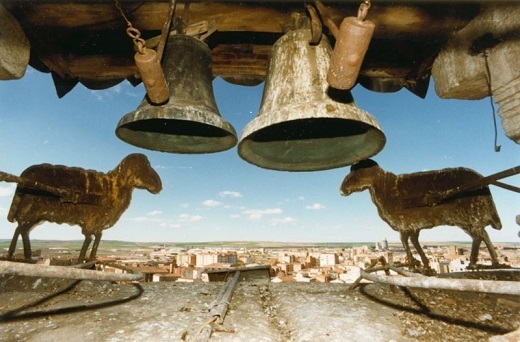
(54, 309)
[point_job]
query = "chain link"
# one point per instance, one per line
(363, 9)
(132, 32)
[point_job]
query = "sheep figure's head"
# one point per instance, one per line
(360, 178)
(140, 173)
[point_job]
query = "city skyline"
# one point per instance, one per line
(220, 197)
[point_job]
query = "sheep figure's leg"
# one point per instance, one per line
(97, 240)
(86, 243)
(475, 246)
(490, 247)
(415, 240)
(26, 245)
(23, 229)
(14, 242)
(404, 241)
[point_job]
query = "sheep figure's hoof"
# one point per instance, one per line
(473, 267)
(413, 264)
(428, 272)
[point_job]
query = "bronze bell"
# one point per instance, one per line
(303, 125)
(190, 121)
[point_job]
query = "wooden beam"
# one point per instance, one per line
(401, 20)
(243, 60)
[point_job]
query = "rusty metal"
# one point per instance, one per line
(190, 122)
(471, 211)
(506, 186)
(148, 63)
(165, 31)
(66, 195)
(352, 40)
(152, 76)
(29, 270)
(302, 125)
(434, 198)
(218, 309)
(112, 191)
(316, 26)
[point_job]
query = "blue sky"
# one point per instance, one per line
(212, 197)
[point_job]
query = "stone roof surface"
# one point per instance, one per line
(63, 310)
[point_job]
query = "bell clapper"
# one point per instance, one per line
(352, 40)
(148, 63)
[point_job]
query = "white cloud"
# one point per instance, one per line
(97, 94)
(7, 190)
(106, 93)
(256, 214)
(301, 198)
(315, 206)
(190, 218)
(276, 221)
(234, 216)
(212, 203)
(234, 194)
(154, 212)
(163, 167)
(145, 219)
(116, 89)
(170, 225)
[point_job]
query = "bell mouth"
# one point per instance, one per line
(178, 136)
(311, 144)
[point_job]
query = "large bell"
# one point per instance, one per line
(302, 124)
(190, 121)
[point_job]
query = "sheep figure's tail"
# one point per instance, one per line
(11, 216)
(494, 219)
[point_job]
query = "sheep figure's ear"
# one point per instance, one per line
(363, 164)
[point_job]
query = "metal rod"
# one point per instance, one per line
(474, 285)
(404, 272)
(29, 270)
(218, 310)
(6, 177)
(221, 308)
(166, 30)
(435, 198)
(506, 186)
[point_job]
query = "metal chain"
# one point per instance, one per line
(363, 9)
(132, 32)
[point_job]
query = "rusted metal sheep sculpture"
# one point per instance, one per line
(90, 199)
(394, 197)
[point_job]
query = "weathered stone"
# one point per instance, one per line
(461, 74)
(14, 47)
(505, 83)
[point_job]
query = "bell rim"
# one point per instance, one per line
(144, 139)
(248, 153)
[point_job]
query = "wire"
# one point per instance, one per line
(488, 80)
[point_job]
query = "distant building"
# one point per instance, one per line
(310, 262)
(203, 259)
(186, 260)
(228, 258)
(459, 264)
(328, 259)
(382, 245)
(286, 268)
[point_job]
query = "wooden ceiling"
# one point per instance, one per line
(86, 41)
